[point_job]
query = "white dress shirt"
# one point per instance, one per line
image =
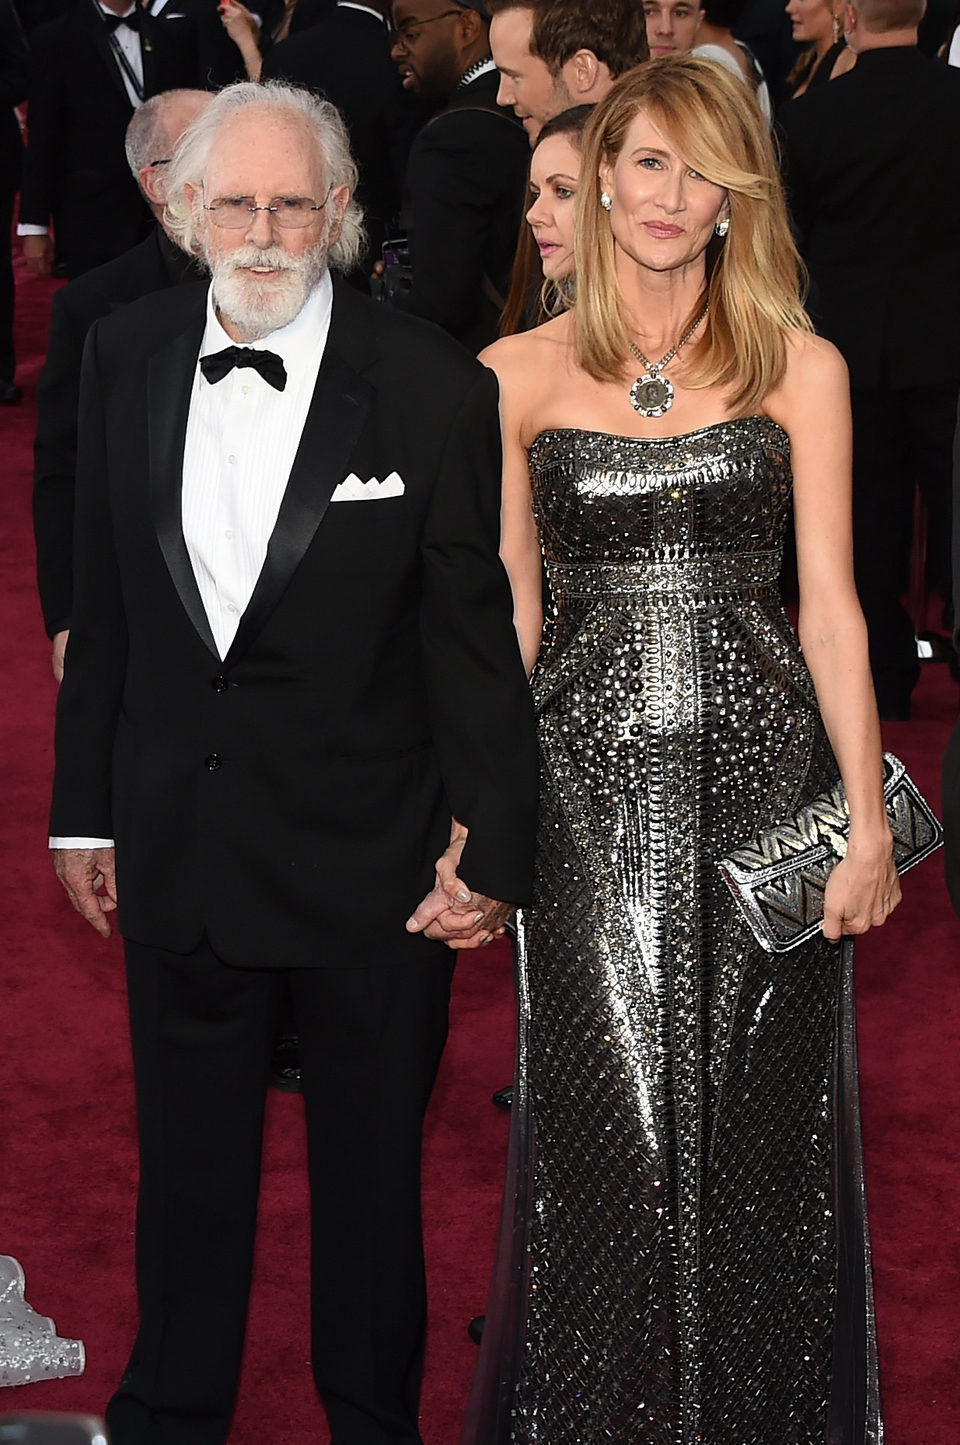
(241, 440)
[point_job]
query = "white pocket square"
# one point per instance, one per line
(351, 489)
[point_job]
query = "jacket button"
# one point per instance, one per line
(213, 762)
(220, 683)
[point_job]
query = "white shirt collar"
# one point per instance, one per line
(367, 9)
(302, 339)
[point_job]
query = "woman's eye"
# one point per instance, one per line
(564, 193)
(650, 163)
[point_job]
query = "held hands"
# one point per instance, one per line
(451, 912)
(862, 891)
(89, 877)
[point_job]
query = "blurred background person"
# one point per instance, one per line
(466, 172)
(253, 36)
(13, 90)
(873, 171)
(90, 70)
(672, 25)
(555, 54)
(716, 41)
(543, 268)
(157, 262)
(818, 24)
(345, 57)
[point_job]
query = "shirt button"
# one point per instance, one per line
(229, 534)
(219, 683)
(232, 459)
(245, 390)
(212, 762)
(230, 607)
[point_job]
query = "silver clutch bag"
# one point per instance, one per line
(778, 880)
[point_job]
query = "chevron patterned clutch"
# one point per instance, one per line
(779, 879)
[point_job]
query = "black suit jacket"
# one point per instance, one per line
(289, 801)
(13, 90)
(873, 172)
(951, 760)
(466, 184)
(152, 266)
(346, 58)
(75, 171)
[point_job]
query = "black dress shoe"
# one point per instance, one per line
(10, 393)
(475, 1328)
(503, 1098)
(285, 1066)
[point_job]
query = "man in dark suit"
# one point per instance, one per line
(346, 58)
(90, 70)
(873, 172)
(13, 89)
(951, 759)
(153, 265)
(466, 178)
(292, 685)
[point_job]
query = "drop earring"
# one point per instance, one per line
(836, 28)
(605, 201)
(722, 227)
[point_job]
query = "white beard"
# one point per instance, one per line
(256, 305)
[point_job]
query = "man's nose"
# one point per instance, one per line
(505, 95)
(261, 227)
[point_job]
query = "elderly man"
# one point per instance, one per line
(554, 54)
(292, 684)
(153, 265)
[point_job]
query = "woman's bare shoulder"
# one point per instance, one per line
(815, 376)
(526, 348)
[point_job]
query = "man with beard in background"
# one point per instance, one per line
(293, 705)
(466, 176)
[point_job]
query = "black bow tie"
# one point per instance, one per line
(132, 21)
(268, 363)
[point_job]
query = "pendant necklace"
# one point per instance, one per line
(652, 394)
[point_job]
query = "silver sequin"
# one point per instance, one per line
(668, 1268)
(30, 1348)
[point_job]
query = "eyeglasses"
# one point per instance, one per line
(290, 213)
(409, 32)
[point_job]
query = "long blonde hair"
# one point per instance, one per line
(754, 278)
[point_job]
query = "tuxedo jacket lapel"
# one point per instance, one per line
(101, 41)
(170, 379)
(341, 402)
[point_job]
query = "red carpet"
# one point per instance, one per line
(67, 1153)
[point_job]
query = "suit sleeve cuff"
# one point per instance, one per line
(81, 843)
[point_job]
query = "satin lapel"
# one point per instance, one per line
(170, 379)
(341, 401)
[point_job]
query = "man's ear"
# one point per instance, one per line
(580, 75)
(152, 184)
(471, 26)
(339, 199)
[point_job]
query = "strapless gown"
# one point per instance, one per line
(684, 1256)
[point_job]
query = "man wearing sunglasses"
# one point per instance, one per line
(295, 751)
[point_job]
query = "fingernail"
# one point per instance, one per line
(412, 925)
(464, 896)
(484, 938)
(478, 918)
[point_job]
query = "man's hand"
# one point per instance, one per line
(451, 912)
(59, 652)
(38, 254)
(89, 876)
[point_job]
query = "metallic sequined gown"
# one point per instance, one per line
(684, 1257)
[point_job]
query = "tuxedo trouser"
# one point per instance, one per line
(7, 290)
(370, 1044)
(900, 439)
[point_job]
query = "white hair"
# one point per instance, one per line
(278, 99)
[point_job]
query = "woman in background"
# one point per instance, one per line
(684, 1256)
(819, 25)
(542, 278)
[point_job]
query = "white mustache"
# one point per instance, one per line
(273, 256)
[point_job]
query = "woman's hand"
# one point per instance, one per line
(862, 891)
(242, 27)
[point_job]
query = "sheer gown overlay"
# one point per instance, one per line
(683, 1257)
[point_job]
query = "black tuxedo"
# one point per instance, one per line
(13, 89)
(951, 760)
(873, 174)
(75, 172)
(153, 265)
(466, 183)
(346, 58)
(277, 815)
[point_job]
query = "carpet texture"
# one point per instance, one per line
(67, 1144)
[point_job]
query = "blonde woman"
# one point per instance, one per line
(684, 1256)
(818, 24)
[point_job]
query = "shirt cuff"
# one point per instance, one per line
(27, 228)
(81, 843)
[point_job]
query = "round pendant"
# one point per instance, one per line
(652, 395)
